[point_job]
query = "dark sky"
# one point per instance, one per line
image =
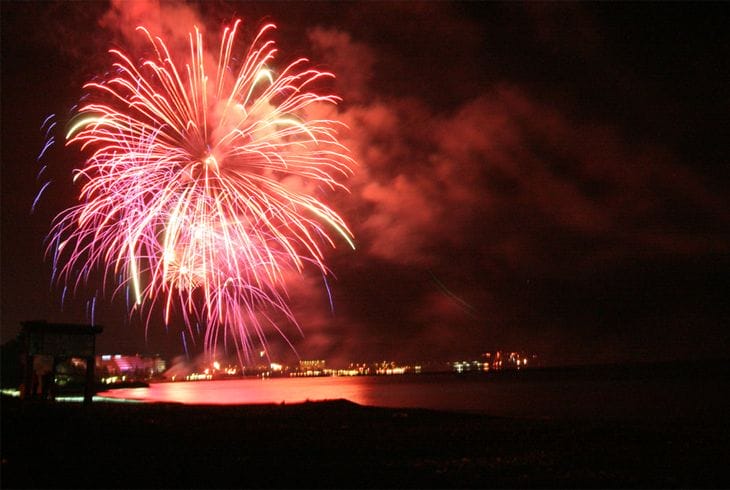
(534, 176)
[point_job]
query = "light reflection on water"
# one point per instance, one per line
(246, 391)
(600, 396)
(401, 391)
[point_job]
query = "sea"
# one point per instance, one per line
(645, 391)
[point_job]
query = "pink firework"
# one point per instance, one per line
(201, 189)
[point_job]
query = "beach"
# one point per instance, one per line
(339, 444)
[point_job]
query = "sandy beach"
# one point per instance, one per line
(338, 444)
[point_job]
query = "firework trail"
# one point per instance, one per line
(201, 189)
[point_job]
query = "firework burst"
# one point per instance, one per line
(202, 186)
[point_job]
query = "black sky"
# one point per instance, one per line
(536, 176)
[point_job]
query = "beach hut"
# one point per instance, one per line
(46, 344)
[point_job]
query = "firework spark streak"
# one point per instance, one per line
(201, 191)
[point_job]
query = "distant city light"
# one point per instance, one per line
(119, 369)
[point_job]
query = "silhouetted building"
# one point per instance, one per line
(46, 346)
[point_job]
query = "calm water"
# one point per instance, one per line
(663, 391)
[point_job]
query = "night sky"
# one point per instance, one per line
(532, 176)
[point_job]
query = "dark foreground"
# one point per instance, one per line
(343, 445)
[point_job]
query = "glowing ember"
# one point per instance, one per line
(201, 190)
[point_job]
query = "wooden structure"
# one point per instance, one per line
(58, 341)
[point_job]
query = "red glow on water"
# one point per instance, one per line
(249, 391)
(595, 394)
